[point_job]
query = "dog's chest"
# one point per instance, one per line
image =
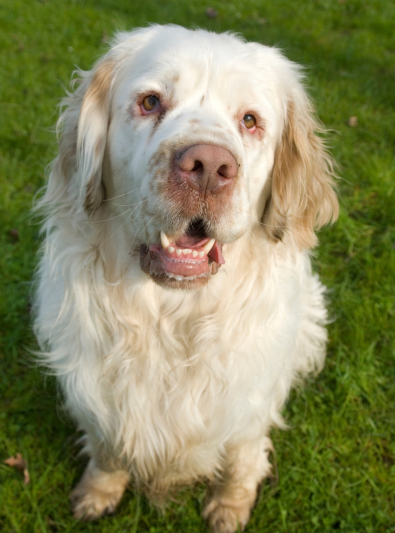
(181, 398)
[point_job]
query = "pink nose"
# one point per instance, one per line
(206, 168)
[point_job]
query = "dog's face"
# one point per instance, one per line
(179, 132)
(191, 141)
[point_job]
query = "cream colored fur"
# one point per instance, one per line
(171, 387)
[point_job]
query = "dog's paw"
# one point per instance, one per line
(89, 503)
(98, 492)
(226, 516)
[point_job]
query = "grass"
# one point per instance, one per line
(336, 466)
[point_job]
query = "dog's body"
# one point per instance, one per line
(172, 386)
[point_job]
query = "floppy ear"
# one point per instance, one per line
(302, 193)
(92, 136)
(75, 179)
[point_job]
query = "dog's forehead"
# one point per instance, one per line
(191, 49)
(196, 62)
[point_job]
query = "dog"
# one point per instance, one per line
(175, 299)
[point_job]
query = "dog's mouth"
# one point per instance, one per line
(191, 258)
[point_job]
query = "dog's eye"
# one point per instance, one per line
(150, 103)
(249, 121)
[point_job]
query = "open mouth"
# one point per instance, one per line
(192, 255)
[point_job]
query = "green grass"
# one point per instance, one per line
(336, 466)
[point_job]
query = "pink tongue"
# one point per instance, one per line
(216, 254)
(191, 241)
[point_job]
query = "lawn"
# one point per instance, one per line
(335, 466)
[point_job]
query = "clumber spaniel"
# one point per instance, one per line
(175, 302)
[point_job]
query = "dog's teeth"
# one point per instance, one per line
(179, 251)
(186, 251)
(170, 249)
(207, 247)
(202, 254)
(164, 240)
(195, 253)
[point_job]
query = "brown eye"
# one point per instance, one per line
(150, 102)
(249, 121)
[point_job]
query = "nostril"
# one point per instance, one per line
(197, 166)
(223, 171)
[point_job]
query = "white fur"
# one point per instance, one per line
(174, 386)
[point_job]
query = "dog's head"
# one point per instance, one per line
(190, 139)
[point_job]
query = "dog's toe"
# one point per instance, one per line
(89, 503)
(226, 517)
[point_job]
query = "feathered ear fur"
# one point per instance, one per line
(75, 180)
(92, 136)
(302, 193)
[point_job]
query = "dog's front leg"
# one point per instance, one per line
(98, 491)
(233, 496)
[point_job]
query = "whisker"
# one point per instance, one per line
(130, 206)
(153, 195)
(112, 218)
(134, 239)
(122, 225)
(124, 194)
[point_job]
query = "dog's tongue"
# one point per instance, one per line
(216, 254)
(193, 241)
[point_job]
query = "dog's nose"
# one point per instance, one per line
(206, 168)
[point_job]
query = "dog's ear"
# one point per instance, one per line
(92, 136)
(302, 195)
(75, 179)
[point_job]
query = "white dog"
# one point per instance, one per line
(176, 303)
